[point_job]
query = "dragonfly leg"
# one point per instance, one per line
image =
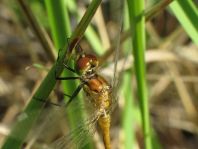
(67, 78)
(67, 95)
(71, 97)
(44, 101)
(79, 49)
(65, 65)
(75, 93)
(52, 103)
(69, 68)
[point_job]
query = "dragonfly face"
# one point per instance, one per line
(86, 65)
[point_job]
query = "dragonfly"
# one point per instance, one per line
(97, 89)
(100, 94)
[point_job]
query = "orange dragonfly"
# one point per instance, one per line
(98, 90)
(100, 94)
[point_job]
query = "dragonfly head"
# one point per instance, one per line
(86, 64)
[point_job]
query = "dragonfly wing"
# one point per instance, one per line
(50, 118)
(118, 22)
(53, 117)
(78, 137)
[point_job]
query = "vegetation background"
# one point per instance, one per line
(171, 69)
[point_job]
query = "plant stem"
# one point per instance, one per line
(137, 22)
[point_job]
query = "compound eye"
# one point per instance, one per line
(86, 63)
(82, 64)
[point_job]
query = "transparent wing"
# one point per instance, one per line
(116, 11)
(48, 126)
(78, 137)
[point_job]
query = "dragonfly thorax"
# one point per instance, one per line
(99, 90)
(86, 65)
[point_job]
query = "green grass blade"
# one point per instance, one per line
(59, 22)
(137, 22)
(187, 14)
(23, 127)
(129, 106)
(94, 40)
(90, 33)
(128, 114)
(80, 29)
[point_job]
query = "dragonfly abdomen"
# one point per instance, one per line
(99, 92)
(104, 123)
